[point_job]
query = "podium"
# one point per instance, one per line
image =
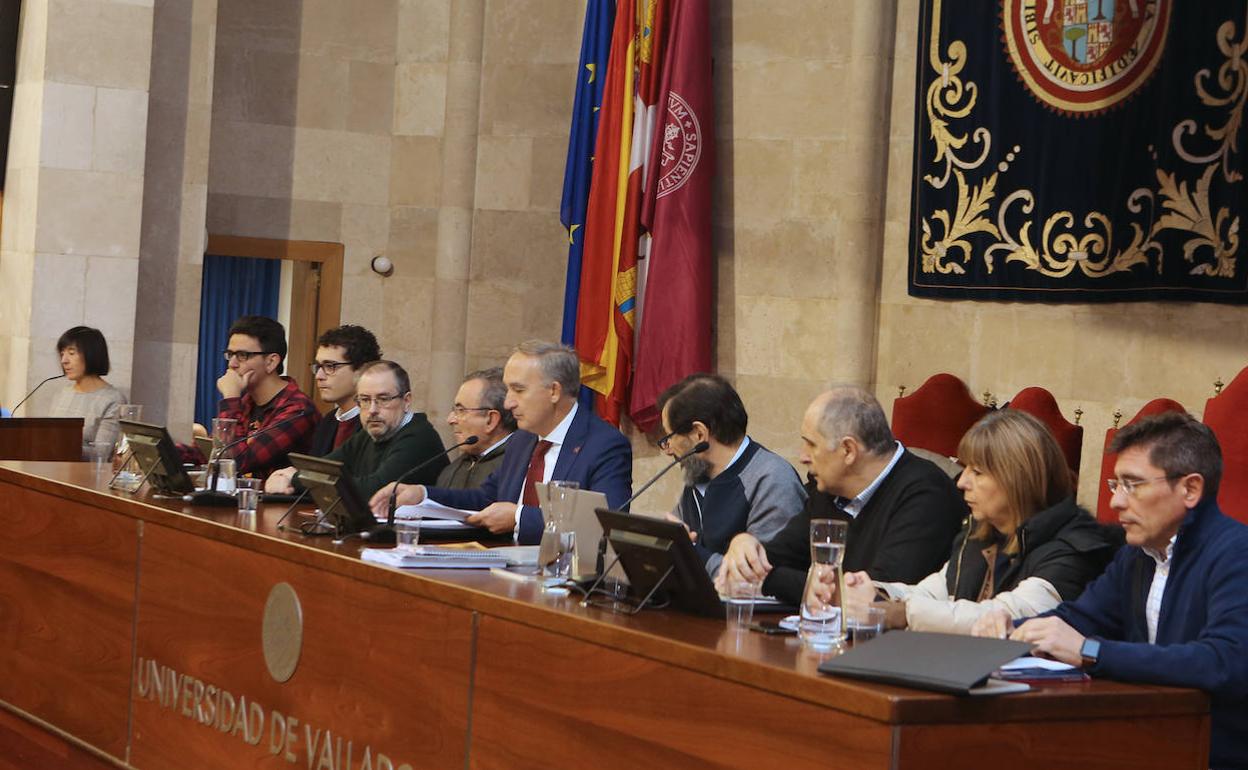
(41, 438)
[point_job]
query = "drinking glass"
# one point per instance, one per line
(407, 534)
(224, 468)
(865, 625)
(822, 624)
(558, 546)
(739, 596)
(247, 491)
(99, 454)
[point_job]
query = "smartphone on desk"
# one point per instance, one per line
(771, 628)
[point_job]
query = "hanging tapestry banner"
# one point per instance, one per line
(1080, 151)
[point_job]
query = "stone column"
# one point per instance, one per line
(73, 208)
(174, 212)
(458, 197)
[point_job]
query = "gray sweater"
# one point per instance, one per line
(758, 494)
(98, 410)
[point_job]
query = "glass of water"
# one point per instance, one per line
(865, 624)
(247, 492)
(557, 551)
(822, 623)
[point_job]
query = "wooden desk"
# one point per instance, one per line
(41, 438)
(122, 622)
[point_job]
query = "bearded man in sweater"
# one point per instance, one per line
(736, 485)
(394, 438)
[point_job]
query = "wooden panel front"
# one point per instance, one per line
(1165, 743)
(67, 573)
(41, 438)
(543, 700)
(25, 745)
(380, 670)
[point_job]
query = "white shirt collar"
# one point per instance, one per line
(1163, 559)
(490, 449)
(560, 432)
(745, 441)
(855, 506)
(350, 414)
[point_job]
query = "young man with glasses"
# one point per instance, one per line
(340, 353)
(478, 411)
(394, 440)
(270, 411)
(1172, 608)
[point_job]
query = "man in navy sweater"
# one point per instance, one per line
(735, 486)
(1172, 608)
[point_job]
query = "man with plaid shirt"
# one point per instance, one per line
(258, 397)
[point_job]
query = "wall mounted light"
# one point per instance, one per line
(382, 266)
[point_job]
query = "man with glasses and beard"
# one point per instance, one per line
(736, 485)
(270, 411)
(394, 438)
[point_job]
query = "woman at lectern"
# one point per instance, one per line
(1025, 547)
(84, 360)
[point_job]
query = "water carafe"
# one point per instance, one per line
(822, 624)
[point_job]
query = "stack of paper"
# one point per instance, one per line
(426, 557)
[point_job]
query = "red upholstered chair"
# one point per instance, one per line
(1156, 406)
(1039, 403)
(936, 415)
(1226, 414)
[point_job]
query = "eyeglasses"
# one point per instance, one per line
(460, 410)
(663, 442)
(366, 402)
(1130, 486)
(244, 356)
(329, 366)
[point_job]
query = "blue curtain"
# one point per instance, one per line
(232, 287)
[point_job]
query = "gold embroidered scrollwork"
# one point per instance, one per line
(1062, 248)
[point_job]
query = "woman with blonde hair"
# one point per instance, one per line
(1025, 547)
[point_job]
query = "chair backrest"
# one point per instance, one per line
(1041, 404)
(936, 415)
(1156, 406)
(1225, 414)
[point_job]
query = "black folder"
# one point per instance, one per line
(943, 662)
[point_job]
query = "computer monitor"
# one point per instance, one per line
(157, 457)
(335, 494)
(658, 557)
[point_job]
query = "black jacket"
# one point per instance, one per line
(1062, 544)
(902, 535)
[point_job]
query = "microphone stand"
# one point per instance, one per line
(698, 448)
(210, 496)
(13, 411)
(384, 534)
(279, 525)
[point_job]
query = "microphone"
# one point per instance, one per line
(385, 533)
(31, 393)
(211, 496)
(698, 448)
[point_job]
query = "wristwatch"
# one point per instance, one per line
(1090, 652)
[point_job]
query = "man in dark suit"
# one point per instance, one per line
(557, 440)
(902, 510)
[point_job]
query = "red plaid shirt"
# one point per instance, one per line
(267, 451)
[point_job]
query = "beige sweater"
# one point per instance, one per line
(97, 409)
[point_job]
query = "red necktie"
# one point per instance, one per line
(537, 469)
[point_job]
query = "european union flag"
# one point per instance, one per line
(591, 75)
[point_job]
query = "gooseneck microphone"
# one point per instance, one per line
(385, 533)
(698, 448)
(32, 392)
(210, 495)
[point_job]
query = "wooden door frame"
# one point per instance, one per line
(329, 296)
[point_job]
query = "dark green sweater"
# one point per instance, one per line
(374, 464)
